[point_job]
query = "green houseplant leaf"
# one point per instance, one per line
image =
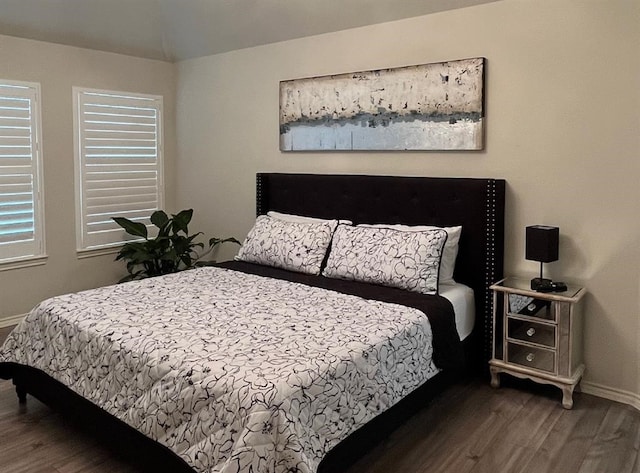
(171, 250)
(132, 228)
(181, 221)
(213, 242)
(159, 218)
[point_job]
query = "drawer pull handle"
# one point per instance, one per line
(531, 332)
(530, 357)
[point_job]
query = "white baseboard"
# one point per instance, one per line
(11, 320)
(618, 395)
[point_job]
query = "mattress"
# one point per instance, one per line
(230, 370)
(463, 302)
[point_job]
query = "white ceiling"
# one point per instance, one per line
(173, 30)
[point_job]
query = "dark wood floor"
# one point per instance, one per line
(518, 428)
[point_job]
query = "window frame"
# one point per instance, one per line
(29, 252)
(86, 246)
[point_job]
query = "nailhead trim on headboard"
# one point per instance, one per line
(490, 269)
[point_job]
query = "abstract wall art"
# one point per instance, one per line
(437, 106)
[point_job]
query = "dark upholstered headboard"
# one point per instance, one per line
(476, 204)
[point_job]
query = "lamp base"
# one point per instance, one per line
(542, 285)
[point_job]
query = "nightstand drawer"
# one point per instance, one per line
(537, 358)
(532, 332)
(531, 307)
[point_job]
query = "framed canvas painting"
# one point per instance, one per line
(437, 106)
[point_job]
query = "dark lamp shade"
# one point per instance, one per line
(542, 243)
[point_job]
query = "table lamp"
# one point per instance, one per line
(542, 245)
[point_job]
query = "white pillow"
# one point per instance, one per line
(301, 219)
(294, 246)
(389, 257)
(448, 263)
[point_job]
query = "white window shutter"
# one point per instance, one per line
(21, 217)
(118, 163)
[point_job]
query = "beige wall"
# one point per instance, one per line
(562, 127)
(57, 68)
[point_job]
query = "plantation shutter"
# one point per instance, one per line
(21, 222)
(118, 163)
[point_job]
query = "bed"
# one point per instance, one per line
(310, 418)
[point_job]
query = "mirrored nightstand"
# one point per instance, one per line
(538, 335)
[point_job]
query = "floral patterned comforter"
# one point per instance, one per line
(234, 372)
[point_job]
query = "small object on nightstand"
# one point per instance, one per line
(558, 286)
(538, 335)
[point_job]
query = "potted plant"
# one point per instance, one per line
(171, 250)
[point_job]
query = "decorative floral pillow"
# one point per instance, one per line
(450, 253)
(407, 260)
(295, 246)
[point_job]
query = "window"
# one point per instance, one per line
(21, 213)
(118, 163)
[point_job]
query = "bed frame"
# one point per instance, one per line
(476, 204)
